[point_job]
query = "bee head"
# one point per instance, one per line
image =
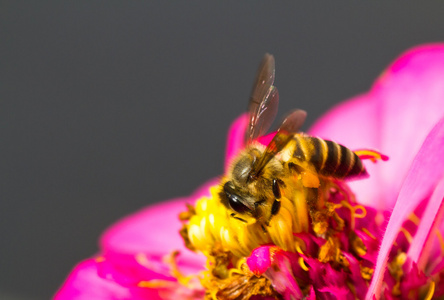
(244, 165)
(246, 194)
(237, 202)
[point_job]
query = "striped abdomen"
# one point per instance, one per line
(328, 158)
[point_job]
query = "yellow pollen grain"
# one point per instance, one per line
(431, 291)
(302, 264)
(401, 258)
(366, 273)
(368, 233)
(407, 234)
(396, 291)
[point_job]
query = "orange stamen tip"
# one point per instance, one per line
(372, 155)
(100, 259)
(430, 291)
(155, 283)
(302, 264)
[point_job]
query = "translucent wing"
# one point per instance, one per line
(289, 126)
(264, 100)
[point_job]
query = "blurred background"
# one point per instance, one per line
(109, 106)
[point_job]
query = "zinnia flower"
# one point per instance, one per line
(373, 238)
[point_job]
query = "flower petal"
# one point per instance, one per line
(394, 117)
(84, 284)
(430, 220)
(260, 260)
(340, 125)
(129, 270)
(236, 138)
(421, 179)
(154, 230)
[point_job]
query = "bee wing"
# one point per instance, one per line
(289, 126)
(293, 122)
(264, 99)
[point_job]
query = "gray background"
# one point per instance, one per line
(108, 106)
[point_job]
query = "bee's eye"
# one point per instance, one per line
(236, 203)
(234, 200)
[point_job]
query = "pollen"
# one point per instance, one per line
(301, 238)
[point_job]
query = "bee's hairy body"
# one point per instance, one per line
(292, 166)
(327, 158)
(258, 197)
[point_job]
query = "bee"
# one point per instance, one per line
(254, 184)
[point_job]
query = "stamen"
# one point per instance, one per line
(368, 233)
(302, 264)
(372, 155)
(414, 218)
(238, 269)
(363, 212)
(353, 212)
(440, 239)
(407, 234)
(155, 283)
(298, 247)
(172, 262)
(430, 291)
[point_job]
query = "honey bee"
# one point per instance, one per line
(253, 186)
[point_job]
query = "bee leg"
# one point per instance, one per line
(312, 199)
(276, 189)
(318, 213)
(237, 218)
(275, 207)
(263, 228)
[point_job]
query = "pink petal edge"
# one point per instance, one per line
(430, 220)
(83, 283)
(421, 179)
(355, 124)
(235, 138)
(394, 117)
(155, 230)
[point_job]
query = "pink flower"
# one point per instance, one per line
(402, 116)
